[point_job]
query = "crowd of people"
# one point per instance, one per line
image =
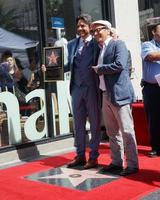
(13, 77)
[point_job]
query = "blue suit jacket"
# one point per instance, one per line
(72, 50)
(116, 73)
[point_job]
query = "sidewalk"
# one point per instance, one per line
(20, 156)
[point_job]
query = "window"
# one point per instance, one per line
(67, 11)
(148, 13)
(19, 59)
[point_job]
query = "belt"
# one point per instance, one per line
(144, 83)
(104, 92)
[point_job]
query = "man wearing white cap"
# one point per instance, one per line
(118, 94)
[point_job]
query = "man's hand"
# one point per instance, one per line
(43, 68)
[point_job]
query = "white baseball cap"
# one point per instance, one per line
(103, 22)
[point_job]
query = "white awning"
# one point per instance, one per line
(9, 40)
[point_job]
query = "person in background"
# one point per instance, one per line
(17, 76)
(62, 42)
(115, 36)
(13, 69)
(33, 74)
(10, 70)
(21, 86)
(118, 94)
(6, 83)
(7, 53)
(150, 88)
(114, 33)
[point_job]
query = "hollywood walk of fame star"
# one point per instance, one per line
(76, 177)
(52, 59)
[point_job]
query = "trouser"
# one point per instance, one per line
(85, 104)
(120, 129)
(151, 97)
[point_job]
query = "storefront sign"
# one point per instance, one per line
(30, 129)
(13, 117)
(57, 22)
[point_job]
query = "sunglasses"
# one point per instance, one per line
(98, 29)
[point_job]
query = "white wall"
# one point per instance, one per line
(127, 24)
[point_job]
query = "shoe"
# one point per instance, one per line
(129, 170)
(92, 163)
(111, 168)
(77, 161)
(153, 154)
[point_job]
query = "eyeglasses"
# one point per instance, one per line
(98, 29)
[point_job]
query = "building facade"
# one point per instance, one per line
(27, 27)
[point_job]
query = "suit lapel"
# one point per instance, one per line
(109, 47)
(75, 46)
(73, 51)
(96, 51)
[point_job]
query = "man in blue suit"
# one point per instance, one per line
(118, 95)
(82, 54)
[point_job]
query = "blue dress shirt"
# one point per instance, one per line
(150, 69)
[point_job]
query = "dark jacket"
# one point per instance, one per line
(72, 50)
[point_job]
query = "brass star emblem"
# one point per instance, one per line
(76, 176)
(52, 59)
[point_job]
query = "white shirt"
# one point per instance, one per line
(102, 85)
(81, 43)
